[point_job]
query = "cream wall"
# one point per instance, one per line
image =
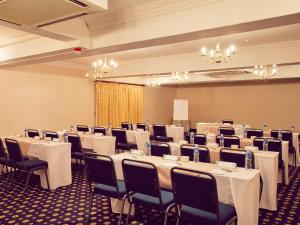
(158, 104)
(256, 103)
(44, 98)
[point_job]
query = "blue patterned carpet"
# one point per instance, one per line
(69, 205)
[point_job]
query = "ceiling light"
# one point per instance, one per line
(218, 55)
(265, 71)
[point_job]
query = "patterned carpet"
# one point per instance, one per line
(69, 205)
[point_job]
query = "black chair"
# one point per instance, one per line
(187, 134)
(18, 162)
(226, 131)
(196, 198)
(83, 128)
(100, 130)
(254, 132)
(274, 145)
(160, 133)
(229, 140)
(142, 126)
(3, 157)
(234, 155)
(102, 179)
(33, 133)
(77, 152)
(287, 135)
(126, 125)
(188, 150)
(227, 121)
(51, 134)
(200, 139)
(121, 140)
(160, 148)
(142, 187)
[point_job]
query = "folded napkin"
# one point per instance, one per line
(98, 134)
(228, 166)
(136, 152)
(182, 142)
(170, 164)
(171, 157)
(218, 172)
(251, 148)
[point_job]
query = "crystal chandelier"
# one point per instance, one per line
(101, 67)
(218, 55)
(265, 72)
(179, 77)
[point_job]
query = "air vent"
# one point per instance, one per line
(36, 13)
(226, 73)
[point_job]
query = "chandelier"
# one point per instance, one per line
(180, 76)
(154, 82)
(101, 67)
(265, 72)
(218, 55)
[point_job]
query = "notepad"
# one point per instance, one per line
(171, 157)
(228, 166)
(136, 152)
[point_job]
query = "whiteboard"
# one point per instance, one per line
(180, 109)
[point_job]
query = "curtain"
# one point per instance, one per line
(116, 103)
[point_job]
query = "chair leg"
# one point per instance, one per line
(45, 170)
(283, 173)
(8, 179)
(166, 213)
(129, 211)
(12, 178)
(178, 215)
(121, 213)
(27, 179)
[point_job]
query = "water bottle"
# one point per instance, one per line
(71, 128)
(196, 153)
(265, 127)
(245, 131)
(66, 136)
(148, 147)
(192, 138)
(265, 145)
(109, 126)
(129, 126)
(92, 130)
(280, 135)
(43, 134)
(248, 159)
(25, 132)
(222, 140)
(293, 128)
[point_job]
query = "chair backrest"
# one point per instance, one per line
(226, 131)
(141, 177)
(160, 148)
(2, 149)
(188, 150)
(195, 189)
(125, 125)
(141, 126)
(259, 143)
(234, 155)
(51, 134)
(33, 133)
(100, 130)
(100, 169)
(194, 130)
(274, 145)
(229, 140)
(227, 121)
(74, 139)
(159, 130)
(254, 132)
(120, 135)
(83, 128)
(200, 139)
(287, 135)
(14, 150)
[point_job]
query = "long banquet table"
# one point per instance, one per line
(239, 188)
(56, 154)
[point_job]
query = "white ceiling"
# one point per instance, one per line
(9, 36)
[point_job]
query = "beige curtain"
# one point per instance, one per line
(116, 103)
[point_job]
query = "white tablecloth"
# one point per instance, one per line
(239, 188)
(204, 128)
(104, 145)
(139, 138)
(177, 133)
(56, 154)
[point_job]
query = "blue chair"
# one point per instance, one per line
(100, 171)
(234, 155)
(196, 198)
(33, 133)
(3, 157)
(83, 128)
(142, 126)
(160, 148)
(18, 162)
(188, 150)
(51, 134)
(229, 140)
(160, 133)
(251, 132)
(121, 140)
(77, 152)
(200, 139)
(142, 187)
(226, 131)
(100, 130)
(125, 125)
(227, 121)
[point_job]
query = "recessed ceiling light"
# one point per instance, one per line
(246, 40)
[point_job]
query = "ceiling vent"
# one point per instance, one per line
(226, 74)
(38, 13)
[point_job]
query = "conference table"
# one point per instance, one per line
(138, 137)
(56, 154)
(239, 188)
